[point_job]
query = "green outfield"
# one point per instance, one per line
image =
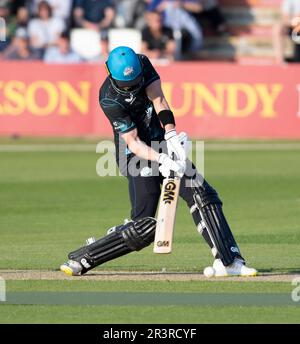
(51, 200)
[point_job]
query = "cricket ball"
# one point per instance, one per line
(209, 272)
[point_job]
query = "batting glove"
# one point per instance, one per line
(174, 144)
(167, 165)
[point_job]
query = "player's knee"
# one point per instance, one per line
(202, 195)
(205, 195)
(138, 234)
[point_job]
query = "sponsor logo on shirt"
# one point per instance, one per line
(131, 99)
(121, 126)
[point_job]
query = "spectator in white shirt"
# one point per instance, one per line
(44, 30)
(62, 53)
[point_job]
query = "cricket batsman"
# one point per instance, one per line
(132, 99)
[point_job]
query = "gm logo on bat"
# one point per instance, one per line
(169, 192)
(163, 243)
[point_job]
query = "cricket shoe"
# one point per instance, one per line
(71, 268)
(237, 268)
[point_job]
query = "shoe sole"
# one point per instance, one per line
(254, 274)
(67, 270)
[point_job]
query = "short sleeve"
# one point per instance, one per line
(32, 27)
(116, 114)
(58, 25)
(150, 74)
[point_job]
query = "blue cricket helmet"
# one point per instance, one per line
(125, 70)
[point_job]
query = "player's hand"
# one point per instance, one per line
(184, 141)
(167, 165)
(174, 144)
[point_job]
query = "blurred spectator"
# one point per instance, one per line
(5, 4)
(22, 17)
(44, 30)
(97, 15)
(290, 21)
(8, 30)
(20, 20)
(94, 14)
(157, 40)
(130, 13)
(211, 14)
(16, 4)
(187, 31)
(60, 8)
(62, 53)
(19, 48)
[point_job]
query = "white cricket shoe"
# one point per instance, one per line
(71, 268)
(237, 268)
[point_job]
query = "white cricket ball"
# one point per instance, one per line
(209, 272)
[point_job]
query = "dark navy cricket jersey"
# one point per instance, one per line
(126, 112)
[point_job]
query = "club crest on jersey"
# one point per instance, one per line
(128, 71)
(121, 126)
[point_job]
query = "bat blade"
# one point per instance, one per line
(166, 215)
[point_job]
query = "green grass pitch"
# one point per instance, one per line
(51, 201)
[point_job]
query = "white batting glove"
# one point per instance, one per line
(184, 140)
(167, 165)
(174, 145)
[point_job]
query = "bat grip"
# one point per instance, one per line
(172, 173)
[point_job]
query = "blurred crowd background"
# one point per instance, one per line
(72, 31)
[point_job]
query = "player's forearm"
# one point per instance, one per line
(141, 150)
(169, 127)
(161, 106)
(165, 115)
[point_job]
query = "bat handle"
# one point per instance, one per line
(172, 173)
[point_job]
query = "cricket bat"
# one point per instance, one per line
(166, 215)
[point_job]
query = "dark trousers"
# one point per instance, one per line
(144, 197)
(145, 192)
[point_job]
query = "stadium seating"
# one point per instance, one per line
(130, 37)
(86, 43)
(251, 24)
